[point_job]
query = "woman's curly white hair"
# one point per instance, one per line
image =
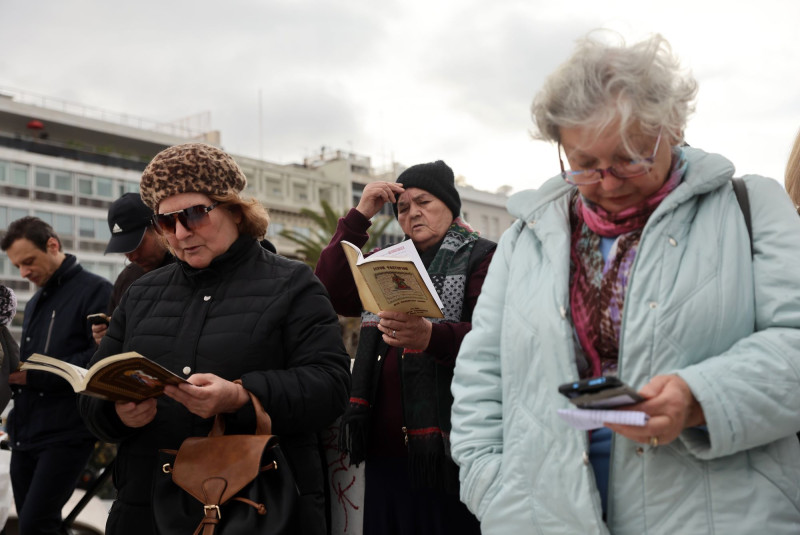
(606, 84)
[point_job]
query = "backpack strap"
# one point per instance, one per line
(740, 189)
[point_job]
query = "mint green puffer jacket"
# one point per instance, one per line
(694, 299)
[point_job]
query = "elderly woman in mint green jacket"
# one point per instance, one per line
(634, 262)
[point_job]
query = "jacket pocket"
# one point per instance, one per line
(779, 467)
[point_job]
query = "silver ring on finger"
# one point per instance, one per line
(394, 333)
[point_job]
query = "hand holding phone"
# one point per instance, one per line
(600, 393)
(97, 319)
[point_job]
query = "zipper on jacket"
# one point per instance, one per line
(49, 332)
(623, 321)
(404, 428)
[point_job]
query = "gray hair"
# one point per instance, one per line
(639, 85)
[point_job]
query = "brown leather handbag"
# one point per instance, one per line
(225, 484)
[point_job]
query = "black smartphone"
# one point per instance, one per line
(97, 319)
(600, 393)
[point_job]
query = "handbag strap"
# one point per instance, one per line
(263, 420)
(740, 190)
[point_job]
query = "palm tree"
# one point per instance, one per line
(311, 246)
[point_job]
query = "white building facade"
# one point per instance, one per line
(66, 164)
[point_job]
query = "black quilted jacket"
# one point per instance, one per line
(252, 315)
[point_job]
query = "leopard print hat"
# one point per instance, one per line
(192, 167)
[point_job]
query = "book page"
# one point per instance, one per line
(354, 256)
(398, 286)
(128, 377)
(72, 373)
(406, 250)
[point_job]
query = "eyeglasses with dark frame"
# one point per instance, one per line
(630, 169)
(191, 218)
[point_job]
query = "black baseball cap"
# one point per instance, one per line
(128, 220)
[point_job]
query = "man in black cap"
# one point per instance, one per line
(131, 224)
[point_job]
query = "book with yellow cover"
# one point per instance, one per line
(123, 377)
(393, 279)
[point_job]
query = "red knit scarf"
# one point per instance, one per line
(597, 286)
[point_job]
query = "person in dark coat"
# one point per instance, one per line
(398, 419)
(227, 309)
(9, 349)
(50, 445)
(130, 222)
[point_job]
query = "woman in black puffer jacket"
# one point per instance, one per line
(227, 310)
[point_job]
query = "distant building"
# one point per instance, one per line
(66, 163)
(485, 211)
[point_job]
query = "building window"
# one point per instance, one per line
(8, 215)
(42, 178)
(300, 192)
(86, 227)
(93, 229)
(326, 194)
(104, 269)
(104, 187)
(302, 231)
(63, 181)
(274, 229)
(128, 187)
(274, 187)
(85, 185)
(16, 213)
(96, 186)
(47, 217)
(64, 224)
(19, 175)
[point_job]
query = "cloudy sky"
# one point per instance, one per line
(399, 80)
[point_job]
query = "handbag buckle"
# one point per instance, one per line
(211, 508)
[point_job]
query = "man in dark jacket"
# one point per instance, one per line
(131, 224)
(50, 444)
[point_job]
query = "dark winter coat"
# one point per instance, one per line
(45, 411)
(250, 315)
(131, 273)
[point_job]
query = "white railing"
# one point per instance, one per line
(186, 127)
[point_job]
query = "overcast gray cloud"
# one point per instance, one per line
(407, 81)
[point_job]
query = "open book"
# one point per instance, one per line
(123, 377)
(393, 279)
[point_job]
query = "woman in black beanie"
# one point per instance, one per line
(398, 419)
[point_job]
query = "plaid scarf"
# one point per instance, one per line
(425, 383)
(597, 286)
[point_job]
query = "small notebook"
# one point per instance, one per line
(586, 419)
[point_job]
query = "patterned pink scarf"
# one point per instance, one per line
(597, 287)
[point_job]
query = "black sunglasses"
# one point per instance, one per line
(191, 218)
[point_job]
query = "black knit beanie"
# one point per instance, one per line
(437, 179)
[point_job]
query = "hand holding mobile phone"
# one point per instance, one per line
(600, 393)
(97, 319)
